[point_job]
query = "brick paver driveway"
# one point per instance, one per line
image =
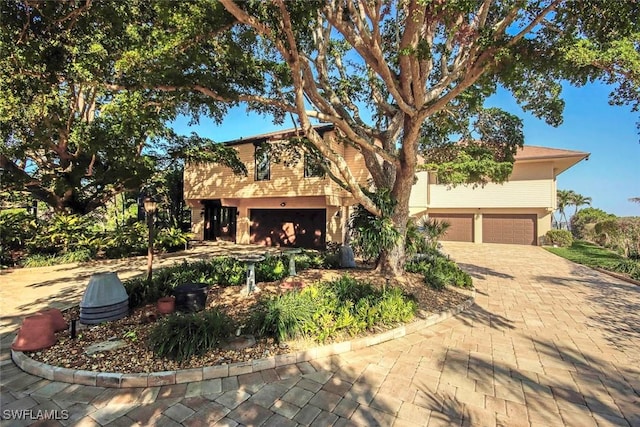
(548, 343)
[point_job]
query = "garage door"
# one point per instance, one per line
(300, 228)
(508, 228)
(461, 226)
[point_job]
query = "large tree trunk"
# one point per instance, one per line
(392, 262)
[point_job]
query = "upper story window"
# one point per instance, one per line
(263, 169)
(312, 167)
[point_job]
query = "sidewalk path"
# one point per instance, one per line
(24, 291)
(548, 343)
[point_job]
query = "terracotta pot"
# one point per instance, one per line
(166, 305)
(56, 318)
(36, 333)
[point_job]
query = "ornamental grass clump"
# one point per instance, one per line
(181, 336)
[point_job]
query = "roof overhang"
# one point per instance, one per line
(278, 135)
(561, 159)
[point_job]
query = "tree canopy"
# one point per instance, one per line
(397, 79)
(75, 131)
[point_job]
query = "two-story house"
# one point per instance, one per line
(297, 205)
(275, 204)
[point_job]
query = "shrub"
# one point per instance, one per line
(582, 223)
(39, 260)
(271, 269)
(219, 270)
(322, 311)
(126, 240)
(440, 272)
(62, 233)
(630, 267)
(423, 235)
(311, 259)
(285, 316)
(172, 239)
(181, 336)
(561, 238)
(17, 226)
(374, 234)
(331, 256)
(620, 234)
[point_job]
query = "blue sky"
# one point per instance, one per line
(610, 177)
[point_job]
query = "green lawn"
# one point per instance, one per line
(592, 255)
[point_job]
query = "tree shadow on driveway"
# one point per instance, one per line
(561, 386)
(614, 305)
(480, 272)
(475, 315)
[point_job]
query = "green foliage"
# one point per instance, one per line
(592, 255)
(17, 227)
(181, 336)
(271, 269)
(73, 86)
(323, 311)
(619, 234)
(440, 272)
(372, 234)
(44, 260)
(285, 316)
(583, 222)
(223, 271)
(561, 238)
(62, 233)
(196, 149)
(125, 240)
(171, 239)
(313, 259)
(473, 163)
(566, 198)
(630, 267)
(423, 234)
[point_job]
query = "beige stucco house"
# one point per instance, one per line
(275, 204)
(518, 211)
(297, 205)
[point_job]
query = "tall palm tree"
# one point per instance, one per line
(564, 198)
(578, 200)
(635, 199)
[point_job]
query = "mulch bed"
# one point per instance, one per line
(136, 357)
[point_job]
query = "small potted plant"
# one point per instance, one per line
(166, 305)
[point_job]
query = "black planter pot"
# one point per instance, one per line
(190, 297)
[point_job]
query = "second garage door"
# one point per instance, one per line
(509, 228)
(461, 226)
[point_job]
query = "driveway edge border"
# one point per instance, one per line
(154, 379)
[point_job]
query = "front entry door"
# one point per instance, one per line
(220, 222)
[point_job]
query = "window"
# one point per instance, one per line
(312, 167)
(263, 170)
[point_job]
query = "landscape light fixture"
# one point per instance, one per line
(150, 206)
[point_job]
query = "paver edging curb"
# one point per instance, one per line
(617, 275)
(153, 379)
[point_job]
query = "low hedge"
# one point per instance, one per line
(560, 238)
(320, 312)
